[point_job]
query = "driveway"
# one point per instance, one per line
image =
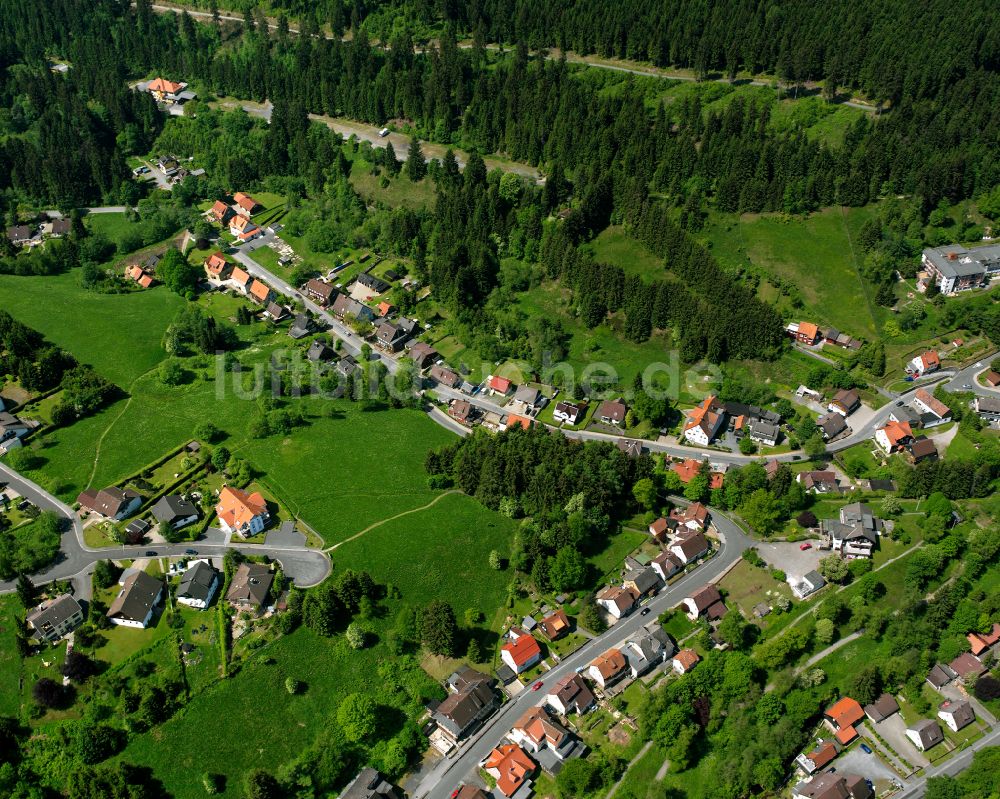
(893, 730)
(855, 761)
(955, 694)
(285, 536)
(789, 558)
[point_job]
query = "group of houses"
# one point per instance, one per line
(38, 232)
(236, 215)
(712, 419)
(222, 274)
(810, 334)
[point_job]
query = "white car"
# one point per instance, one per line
(383, 133)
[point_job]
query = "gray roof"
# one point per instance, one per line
(301, 326)
(172, 507)
(527, 395)
(250, 584)
(137, 597)
(374, 283)
(961, 712)
(645, 579)
(941, 675)
(460, 709)
(197, 582)
(370, 784)
(988, 404)
(55, 613)
(815, 579)
(832, 423)
(954, 260)
(928, 731)
(860, 513)
(318, 351)
(763, 429)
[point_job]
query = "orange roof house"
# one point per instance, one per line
(521, 652)
(808, 332)
(688, 469)
(240, 512)
(220, 211)
(164, 86)
(501, 385)
(260, 291)
(841, 718)
(894, 435)
(139, 275)
(243, 228)
(555, 625)
(704, 422)
(384, 308)
(685, 660)
(510, 766)
(245, 204)
(980, 642)
(513, 421)
(240, 278)
(217, 266)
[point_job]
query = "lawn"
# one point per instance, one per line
(639, 781)
(10, 663)
(615, 246)
(746, 585)
(114, 226)
(609, 561)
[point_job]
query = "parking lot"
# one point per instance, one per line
(857, 761)
(789, 558)
(893, 730)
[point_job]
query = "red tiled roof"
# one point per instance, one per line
(687, 658)
(163, 85)
(808, 330)
(523, 649)
(980, 642)
(513, 766)
(845, 713)
(501, 384)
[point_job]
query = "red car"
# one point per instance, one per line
(805, 546)
(455, 793)
(536, 686)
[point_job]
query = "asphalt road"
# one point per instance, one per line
(450, 772)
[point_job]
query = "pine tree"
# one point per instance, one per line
(416, 166)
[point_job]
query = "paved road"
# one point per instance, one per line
(450, 772)
(101, 209)
(303, 566)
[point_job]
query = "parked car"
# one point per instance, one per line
(866, 749)
(190, 551)
(644, 612)
(537, 685)
(805, 546)
(150, 553)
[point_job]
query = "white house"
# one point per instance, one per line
(135, 603)
(198, 585)
(924, 364)
(956, 714)
(704, 423)
(617, 600)
(521, 652)
(242, 513)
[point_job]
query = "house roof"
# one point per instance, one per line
(236, 508)
(164, 85)
(882, 708)
(460, 409)
(923, 448)
(961, 712)
(847, 398)
(242, 224)
(319, 351)
(808, 329)
(573, 691)
(220, 210)
(250, 584)
(705, 596)
(370, 784)
(471, 792)
(276, 311)
(686, 470)
(687, 659)
(555, 624)
(216, 263)
(659, 527)
(171, 507)
(706, 416)
(845, 712)
(614, 410)
(928, 731)
(527, 395)
(692, 546)
(522, 649)
(823, 754)
(318, 287)
(239, 276)
(421, 351)
(445, 376)
(513, 420)
(834, 786)
(930, 359)
(570, 409)
(501, 384)
(940, 675)
(54, 613)
(260, 291)
(623, 598)
(610, 663)
(980, 642)
(967, 665)
(896, 432)
(668, 561)
(513, 766)
(108, 501)
(643, 579)
(245, 201)
(137, 596)
(538, 726)
(935, 405)
(461, 708)
(197, 582)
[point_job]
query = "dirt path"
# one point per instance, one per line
(662, 772)
(371, 527)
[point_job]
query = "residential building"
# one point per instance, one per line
(242, 513)
(240, 279)
(807, 333)
(988, 408)
(301, 326)
(374, 284)
(511, 767)
(691, 518)
(423, 354)
(954, 268)
(925, 734)
(164, 90)
(702, 601)
(221, 212)
(319, 352)
(571, 695)
(390, 336)
(922, 449)
(473, 699)
(763, 432)
(832, 425)
(530, 398)
(685, 660)
(968, 667)
(139, 275)
(617, 600)
(471, 792)
(820, 481)
(461, 411)
(608, 668)
(666, 564)
(12, 430)
(833, 786)
(54, 619)
(845, 402)
(198, 585)
(929, 406)
(647, 649)
(275, 312)
(940, 675)
(444, 376)
(536, 732)
(243, 229)
(819, 758)
(662, 528)
(521, 652)
(261, 292)
(883, 707)
(134, 605)
(704, 423)
(643, 581)
(217, 267)
(513, 420)
(856, 533)
(632, 447)
(841, 718)
(555, 625)
(135, 531)
(611, 412)
(111, 502)
(690, 468)
(245, 205)
(175, 510)
(318, 291)
(568, 412)
(370, 784)
(19, 235)
(982, 642)
(925, 363)
(808, 584)
(499, 386)
(956, 715)
(250, 585)
(690, 548)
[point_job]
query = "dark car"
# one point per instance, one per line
(190, 551)
(150, 553)
(866, 749)
(644, 612)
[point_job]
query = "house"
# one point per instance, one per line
(242, 513)
(370, 784)
(704, 423)
(499, 386)
(461, 411)
(819, 758)
(139, 275)
(13, 428)
(319, 352)
(661, 529)
(244, 229)
(763, 432)
(221, 212)
(198, 585)
(568, 412)
(922, 449)
(647, 649)
(536, 730)
(164, 90)
(954, 268)
(841, 718)
(611, 412)
(135, 531)
(807, 333)
(926, 404)
(20, 235)
(666, 564)
(511, 767)
(52, 620)
(956, 714)
(423, 354)
(261, 292)
(608, 668)
(702, 600)
(833, 786)
(968, 667)
(876, 484)
(513, 420)
(348, 367)
(521, 652)
(690, 548)
(925, 734)
(981, 642)
(571, 695)
(373, 284)
(988, 408)
(444, 376)
(175, 510)
(832, 425)
(643, 581)
(471, 792)
(319, 291)
(390, 336)
(940, 675)
(857, 531)
(845, 402)
(819, 481)
(217, 267)
(250, 586)
(688, 469)
(684, 661)
(810, 583)
(275, 312)
(344, 307)
(112, 502)
(894, 436)
(473, 699)
(245, 205)
(617, 600)
(882, 708)
(240, 279)
(555, 625)
(530, 398)
(925, 363)
(632, 447)
(301, 326)
(133, 607)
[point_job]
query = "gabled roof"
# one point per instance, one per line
(236, 508)
(250, 584)
(242, 224)
(137, 597)
(845, 713)
(54, 613)
(808, 329)
(239, 277)
(197, 582)
(940, 675)
(882, 708)
(321, 289)
(847, 398)
(705, 596)
(928, 731)
(555, 624)
(897, 432)
(686, 659)
(692, 546)
(623, 598)
(216, 263)
(171, 507)
(445, 376)
(935, 405)
(260, 291)
(538, 727)
(245, 201)
(961, 712)
(930, 360)
(501, 384)
(523, 649)
(164, 85)
(220, 210)
(823, 754)
(573, 691)
(967, 665)
(706, 416)
(513, 766)
(615, 410)
(610, 663)
(108, 501)
(980, 642)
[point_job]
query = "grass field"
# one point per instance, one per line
(614, 246)
(10, 662)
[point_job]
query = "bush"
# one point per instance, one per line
(807, 519)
